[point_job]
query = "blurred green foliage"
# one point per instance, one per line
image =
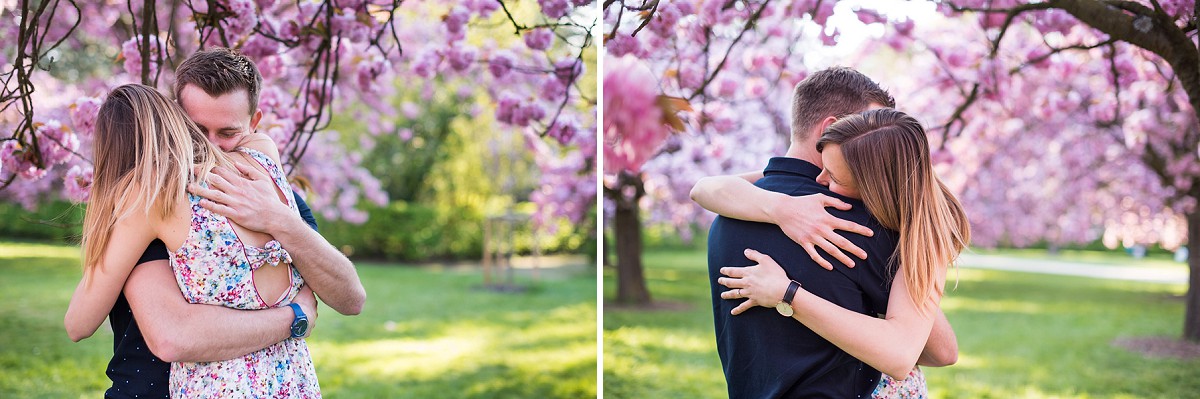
(53, 221)
(454, 171)
(414, 231)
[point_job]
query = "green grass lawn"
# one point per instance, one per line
(1020, 335)
(424, 333)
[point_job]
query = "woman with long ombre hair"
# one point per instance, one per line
(147, 151)
(882, 157)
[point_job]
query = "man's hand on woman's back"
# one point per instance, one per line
(248, 197)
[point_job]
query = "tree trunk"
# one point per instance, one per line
(1191, 320)
(627, 229)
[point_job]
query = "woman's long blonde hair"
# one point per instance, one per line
(145, 147)
(888, 156)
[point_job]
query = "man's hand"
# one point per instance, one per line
(247, 196)
(805, 220)
(250, 198)
(308, 303)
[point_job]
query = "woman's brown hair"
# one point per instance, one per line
(887, 153)
(144, 152)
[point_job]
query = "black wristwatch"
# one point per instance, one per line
(785, 308)
(300, 322)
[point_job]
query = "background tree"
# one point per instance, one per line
(1086, 111)
(1059, 121)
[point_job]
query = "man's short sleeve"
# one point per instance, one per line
(305, 211)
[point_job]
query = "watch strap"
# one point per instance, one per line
(298, 318)
(299, 313)
(791, 292)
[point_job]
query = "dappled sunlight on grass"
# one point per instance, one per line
(396, 358)
(961, 275)
(659, 362)
(11, 250)
(994, 306)
(1021, 335)
(540, 343)
(664, 353)
(422, 334)
(659, 338)
(970, 360)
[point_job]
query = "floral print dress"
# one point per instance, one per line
(214, 266)
(912, 387)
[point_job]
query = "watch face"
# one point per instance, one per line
(299, 327)
(784, 309)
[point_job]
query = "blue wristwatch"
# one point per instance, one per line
(300, 322)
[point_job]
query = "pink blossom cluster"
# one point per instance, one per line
(517, 112)
(539, 39)
(133, 57)
(77, 186)
(633, 128)
(83, 114)
(18, 159)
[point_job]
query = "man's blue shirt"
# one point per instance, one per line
(766, 355)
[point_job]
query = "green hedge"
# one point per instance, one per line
(58, 222)
(418, 232)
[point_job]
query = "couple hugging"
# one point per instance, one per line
(196, 248)
(794, 322)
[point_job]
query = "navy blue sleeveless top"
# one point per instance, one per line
(135, 371)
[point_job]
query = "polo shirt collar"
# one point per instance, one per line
(791, 166)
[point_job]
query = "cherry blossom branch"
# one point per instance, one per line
(328, 59)
(646, 19)
(1056, 50)
(576, 69)
(1125, 21)
(390, 23)
(1116, 76)
(616, 22)
(749, 26)
(517, 28)
(30, 50)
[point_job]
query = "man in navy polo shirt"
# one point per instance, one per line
(152, 323)
(764, 354)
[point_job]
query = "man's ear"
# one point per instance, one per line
(829, 120)
(254, 120)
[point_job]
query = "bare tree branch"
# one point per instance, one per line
(1056, 50)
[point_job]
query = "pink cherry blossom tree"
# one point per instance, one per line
(1082, 116)
(318, 58)
(1057, 121)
